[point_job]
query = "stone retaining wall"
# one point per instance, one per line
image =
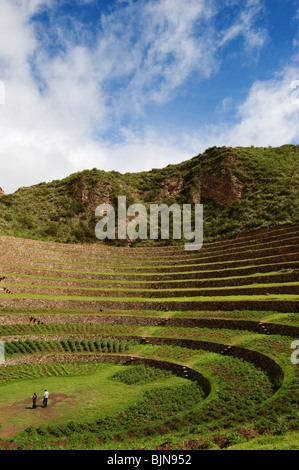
(260, 360)
(155, 294)
(216, 255)
(263, 236)
(257, 327)
(282, 306)
(191, 284)
(213, 264)
(178, 369)
(203, 274)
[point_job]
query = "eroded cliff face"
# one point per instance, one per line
(217, 182)
(171, 187)
(214, 178)
(222, 185)
(99, 194)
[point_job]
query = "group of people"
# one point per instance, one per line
(45, 399)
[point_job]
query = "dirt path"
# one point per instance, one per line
(10, 413)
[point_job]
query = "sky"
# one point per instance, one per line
(131, 85)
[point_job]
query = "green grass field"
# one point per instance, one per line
(78, 396)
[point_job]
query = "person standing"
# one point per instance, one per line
(34, 398)
(45, 400)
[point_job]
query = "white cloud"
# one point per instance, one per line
(268, 116)
(244, 25)
(157, 50)
(142, 53)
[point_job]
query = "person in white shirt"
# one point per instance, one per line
(45, 400)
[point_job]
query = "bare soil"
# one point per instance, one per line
(10, 412)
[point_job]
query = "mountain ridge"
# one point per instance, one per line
(242, 189)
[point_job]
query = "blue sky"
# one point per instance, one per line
(134, 85)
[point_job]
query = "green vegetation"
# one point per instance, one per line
(78, 392)
(207, 337)
(269, 442)
(38, 346)
(144, 417)
(259, 186)
(140, 375)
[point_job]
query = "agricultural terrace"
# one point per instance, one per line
(150, 348)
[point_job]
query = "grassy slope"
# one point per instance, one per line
(64, 210)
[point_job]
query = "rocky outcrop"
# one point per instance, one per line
(99, 194)
(1, 192)
(171, 187)
(222, 185)
(195, 194)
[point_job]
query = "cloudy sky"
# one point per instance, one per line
(131, 85)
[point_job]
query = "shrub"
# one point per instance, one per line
(52, 345)
(38, 345)
(84, 345)
(9, 349)
(123, 345)
(234, 438)
(78, 345)
(65, 345)
(58, 345)
(46, 345)
(12, 346)
(31, 345)
(116, 346)
(19, 346)
(140, 374)
(26, 345)
(72, 345)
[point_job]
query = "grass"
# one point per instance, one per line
(113, 273)
(172, 267)
(290, 441)
(166, 299)
(111, 255)
(199, 260)
(126, 289)
(75, 397)
(128, 281)
(238, 387)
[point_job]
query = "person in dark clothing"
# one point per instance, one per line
(34, 398)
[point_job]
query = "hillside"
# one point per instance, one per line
(242, 190)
